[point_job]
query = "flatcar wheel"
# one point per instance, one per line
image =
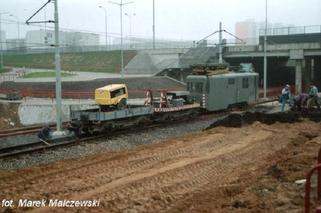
(86, 131)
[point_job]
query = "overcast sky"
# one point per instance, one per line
(175, 19)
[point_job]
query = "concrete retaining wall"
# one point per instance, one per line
(43, 111)
(153, 61)
(30, 114)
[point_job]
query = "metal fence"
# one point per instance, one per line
(126, 46)
(291, 30)
(12, 76)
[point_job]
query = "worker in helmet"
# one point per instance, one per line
(285, 96)
(149, 98)
(300, 101)
(163, 99)
(313, 96)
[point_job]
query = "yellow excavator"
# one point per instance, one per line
(111, 96)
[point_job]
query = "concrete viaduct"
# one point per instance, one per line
(293, 58)
(297, 56)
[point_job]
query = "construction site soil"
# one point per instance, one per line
(137, 86)
(222, 169)
(9, 117)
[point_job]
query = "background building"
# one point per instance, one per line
(249, 30)
(16, 44)
(45, 38)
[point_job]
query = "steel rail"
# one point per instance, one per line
(23, 130)
(36, 146)
(12, 151)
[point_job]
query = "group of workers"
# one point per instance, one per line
(162, 100)
(301, 101)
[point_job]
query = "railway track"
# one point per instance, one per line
(42, 145)
(24, 130)
(19, 131)
(13, 151)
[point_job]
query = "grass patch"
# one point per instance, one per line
(108, 62)
(3, 70)
(46, 75)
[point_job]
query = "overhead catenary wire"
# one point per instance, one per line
(33, 15)
(227, 32)
(231, 34)
(63, 29)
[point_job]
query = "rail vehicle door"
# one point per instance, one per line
(219, 96)
(243, 89)
(197, 88)
(231, 90)
(252, 89)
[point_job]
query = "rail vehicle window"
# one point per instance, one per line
(245, 83)
(231, 81)
(189, 86)
(199, 87)
(117, 92)
(207, 87)
(193, 87)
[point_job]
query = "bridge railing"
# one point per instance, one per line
(291, 30)
(273, 47)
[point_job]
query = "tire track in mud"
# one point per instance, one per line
(177, 178)
(155, 177)
(105, 170)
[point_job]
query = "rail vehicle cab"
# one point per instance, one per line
(219, 92)
(112, 95)
(196, 85)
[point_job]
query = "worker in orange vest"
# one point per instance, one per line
(163, 99)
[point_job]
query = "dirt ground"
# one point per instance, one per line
(248, 169)
(9, 115)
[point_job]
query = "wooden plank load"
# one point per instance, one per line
(209, 69)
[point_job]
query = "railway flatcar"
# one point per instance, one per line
(218, 88)
(171, 105)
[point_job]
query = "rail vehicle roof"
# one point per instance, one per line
(225, 75)
(112, 87)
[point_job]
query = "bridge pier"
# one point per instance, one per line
(309, 72)
(298, 76)
(181, 77)
(313, 67)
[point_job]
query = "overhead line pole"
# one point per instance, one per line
(220, 60)
(153, 24)
(265, 56)
(57, 60)
(121, 4)
(18, 24)
(130, 22)
(1, 47)
(45, 18)
(106, 38)
(58, 68)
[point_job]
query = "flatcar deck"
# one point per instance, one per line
(97, 115)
